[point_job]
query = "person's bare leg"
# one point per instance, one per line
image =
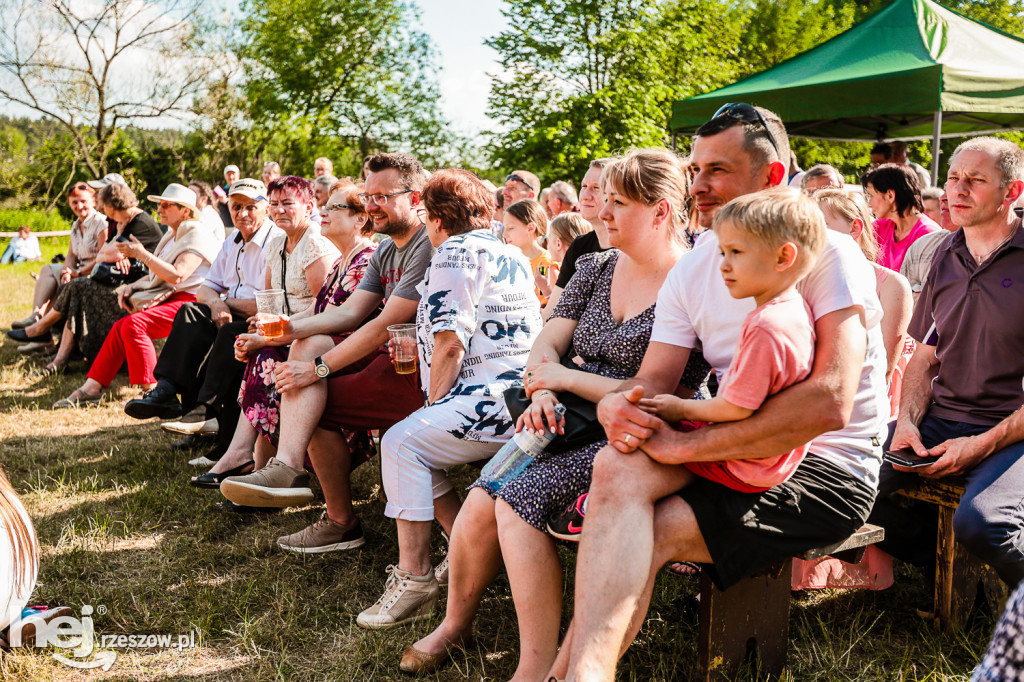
(615, 555)
(446, 509)
(262, 453)
(474, 558)
(46, 287)
(414, 546)
(63, 356)
(90, 389)
(302, 408)
(240, 450)
(43, 324)
(671, 516)
(332, 463)
(535, 576)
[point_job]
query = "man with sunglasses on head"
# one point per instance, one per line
(521, 184)
(198, 360)
(638, 516)
(353, 385)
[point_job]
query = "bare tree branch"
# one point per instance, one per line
(92, 67)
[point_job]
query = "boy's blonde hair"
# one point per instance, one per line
(568, 226)
(850, 206)
(777, 216)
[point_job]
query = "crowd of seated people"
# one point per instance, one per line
(681, 310)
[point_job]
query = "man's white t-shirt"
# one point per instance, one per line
(695, 310)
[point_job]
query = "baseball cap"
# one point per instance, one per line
(248, 187)
(108, 179)
(231, 167)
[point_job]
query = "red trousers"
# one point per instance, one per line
(131, 339)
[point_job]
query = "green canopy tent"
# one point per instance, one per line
(913, 70)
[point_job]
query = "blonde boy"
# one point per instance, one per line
(769, 241)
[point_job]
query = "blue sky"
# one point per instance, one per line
(458, 29)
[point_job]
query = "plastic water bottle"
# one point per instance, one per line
(515, 455)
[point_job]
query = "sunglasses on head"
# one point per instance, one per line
(741, 111)
(517, 178)
(80, 186)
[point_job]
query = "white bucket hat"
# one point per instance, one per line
(177, 194)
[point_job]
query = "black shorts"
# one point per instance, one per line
(745, 532)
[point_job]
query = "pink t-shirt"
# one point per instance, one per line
(892, 252)
(775, 351)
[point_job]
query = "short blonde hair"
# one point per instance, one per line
(851, 206)
(647, 176)
(776, 216)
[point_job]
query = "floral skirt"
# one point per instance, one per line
(261, 403)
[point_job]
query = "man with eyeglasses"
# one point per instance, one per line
(353, 385)
(638, 518)
(198, 360)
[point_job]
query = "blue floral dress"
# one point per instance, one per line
(608, 348)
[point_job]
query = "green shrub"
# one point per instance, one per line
(37, 220)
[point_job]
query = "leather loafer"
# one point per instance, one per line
(160, 402)
(418, 662)
(20, 336)
(209, 427)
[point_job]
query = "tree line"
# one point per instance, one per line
(163, 90)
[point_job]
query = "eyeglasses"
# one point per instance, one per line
(340, 207)
(381, 199)
(421, 213)
(741, 111)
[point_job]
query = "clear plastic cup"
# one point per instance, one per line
(403, 347)
(269, 309)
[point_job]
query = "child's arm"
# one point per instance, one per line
(673, 409)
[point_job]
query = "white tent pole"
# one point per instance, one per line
(936, 137)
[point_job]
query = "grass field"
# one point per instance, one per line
(121, 528)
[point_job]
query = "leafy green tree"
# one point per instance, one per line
(589, 78)
(358, 71)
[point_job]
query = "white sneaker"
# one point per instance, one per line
(407, 598)
(441, 572)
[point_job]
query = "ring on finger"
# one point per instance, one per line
(628, 437)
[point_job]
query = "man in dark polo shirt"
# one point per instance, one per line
(962, 392)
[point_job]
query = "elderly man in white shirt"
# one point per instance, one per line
(198, 359)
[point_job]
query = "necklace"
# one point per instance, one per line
(980, 259)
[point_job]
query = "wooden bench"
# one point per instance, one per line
(957, 573)
(752, 616)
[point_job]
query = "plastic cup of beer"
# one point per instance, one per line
(269, 308)
(403, 347)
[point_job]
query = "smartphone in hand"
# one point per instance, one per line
(908, 458)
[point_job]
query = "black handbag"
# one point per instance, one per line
(107, 275)
(581, 425)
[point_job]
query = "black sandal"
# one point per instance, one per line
(212, 480)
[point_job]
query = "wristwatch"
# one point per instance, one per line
(320, 368)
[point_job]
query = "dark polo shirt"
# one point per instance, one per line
(974, 316)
